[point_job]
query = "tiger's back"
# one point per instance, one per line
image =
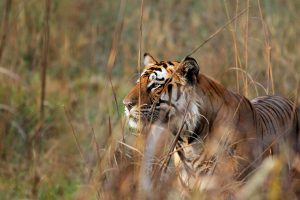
(277, 119)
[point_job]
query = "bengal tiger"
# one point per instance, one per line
(223, 133)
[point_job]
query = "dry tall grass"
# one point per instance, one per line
(85, 150)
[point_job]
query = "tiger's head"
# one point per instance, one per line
(164, 91)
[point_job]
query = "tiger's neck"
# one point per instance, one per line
(210, 97)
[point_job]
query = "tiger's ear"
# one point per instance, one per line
(149, 60)
(189, 69)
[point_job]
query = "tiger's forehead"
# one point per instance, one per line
(164, 69)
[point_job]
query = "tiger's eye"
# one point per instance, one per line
(152, 76)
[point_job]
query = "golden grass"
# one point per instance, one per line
(85, 149)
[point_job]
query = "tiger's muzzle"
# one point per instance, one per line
(147, 114)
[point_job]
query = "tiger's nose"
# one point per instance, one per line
(128, 104)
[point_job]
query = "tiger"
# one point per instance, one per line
(222, 134)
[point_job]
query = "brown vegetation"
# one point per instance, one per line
(85, 150)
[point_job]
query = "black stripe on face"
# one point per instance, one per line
(160, 79)
(155, 69)
(170, 63)
(153, 85)
(165, 65)
(162, 63)
(178, 91)
(170, 87)
(146, 74)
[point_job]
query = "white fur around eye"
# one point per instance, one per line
(152, 76)
(162, 74)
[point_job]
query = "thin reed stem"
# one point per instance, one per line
(268, 51)
(246, 39)
(46, 37)
(5, 27)
(140, 58)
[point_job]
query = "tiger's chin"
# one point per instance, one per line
(133, 123)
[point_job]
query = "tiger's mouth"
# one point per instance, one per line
(143, 115)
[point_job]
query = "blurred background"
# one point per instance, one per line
(81, 57)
